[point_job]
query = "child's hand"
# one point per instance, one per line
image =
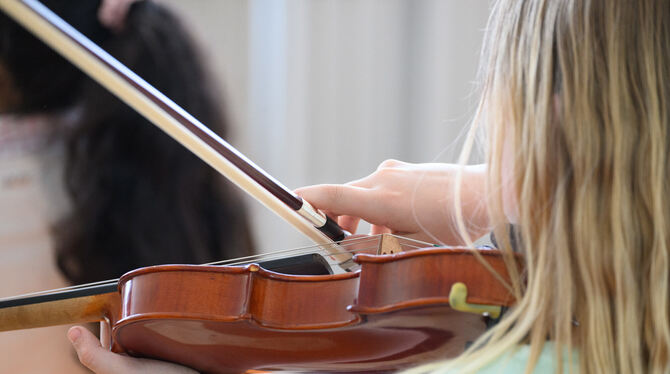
(410, 199)
(101, 361)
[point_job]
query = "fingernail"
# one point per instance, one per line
(74, 334)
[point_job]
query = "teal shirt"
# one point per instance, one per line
(516, 361)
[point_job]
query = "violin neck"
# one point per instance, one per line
(59, 309)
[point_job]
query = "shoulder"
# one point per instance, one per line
(516, 361)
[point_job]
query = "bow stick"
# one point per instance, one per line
(175, 121)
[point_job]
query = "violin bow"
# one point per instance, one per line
(175, 121)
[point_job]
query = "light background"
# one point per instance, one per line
(322, 91)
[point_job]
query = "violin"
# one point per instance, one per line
(406, 304)
(346, 305)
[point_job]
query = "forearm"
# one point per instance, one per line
(473, 202)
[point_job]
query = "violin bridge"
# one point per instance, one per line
(389, 245)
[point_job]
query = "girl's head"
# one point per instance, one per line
(576, 106)
(137, 196)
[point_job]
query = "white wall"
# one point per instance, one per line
(322, 91)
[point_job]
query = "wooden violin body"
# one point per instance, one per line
(392, 314)
(398, 310)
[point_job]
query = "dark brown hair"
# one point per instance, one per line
(138, 197)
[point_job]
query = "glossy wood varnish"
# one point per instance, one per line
(391, 314)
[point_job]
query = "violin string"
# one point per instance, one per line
(276, 256)
(267, 257)
(270, 258)
(343, 243)
(346, 242)
(59, 290)
(231, 262)
(309, 249)
(407, 242)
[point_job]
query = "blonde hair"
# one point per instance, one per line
(579, 90)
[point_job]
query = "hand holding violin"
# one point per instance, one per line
(415, 200)
(102, 361)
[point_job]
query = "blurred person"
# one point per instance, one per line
(88, 188)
